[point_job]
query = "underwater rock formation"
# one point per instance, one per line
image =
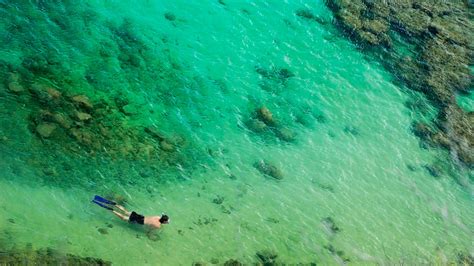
(465, 258)
(274, 79)
(267, 257)
(339, 254)
(75, 121)
(439, 36)
(233, 262)
(266, 116)
(307, 14)
(330, 225)
(46, 256)
(263, 121)
(269, 169)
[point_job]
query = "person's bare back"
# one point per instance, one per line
(153, 221)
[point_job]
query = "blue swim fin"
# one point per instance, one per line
(106, 201)
(103, 205)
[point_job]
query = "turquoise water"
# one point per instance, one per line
(196, 73)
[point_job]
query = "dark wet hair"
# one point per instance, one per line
(164, 219)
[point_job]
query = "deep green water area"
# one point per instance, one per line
(335, 176)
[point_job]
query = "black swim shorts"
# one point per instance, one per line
(136, 218)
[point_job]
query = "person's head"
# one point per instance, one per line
(164, 219)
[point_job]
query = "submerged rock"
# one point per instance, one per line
(330, 225)
(218, 200)
(338, 253)
(170, 16)
(422, 130)
(264, 114)
(307, 14)
(257, 126)
(262, 121)
(351, 130)
(166, 146)
(45, 130)
(81, 116)
(53, 93)
(103, 231)
(82, 101)
(268, 169)
(233, 262)
(434, 170)
(130, 109)
(285, 134)
(267, 257)
(275, 75)
(14, 84)
(155, 133)
(62, 120)
(465, 258)
(15, 87)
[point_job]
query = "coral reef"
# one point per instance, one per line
(80, 97)
(439, 36)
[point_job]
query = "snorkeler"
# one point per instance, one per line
(131, 217)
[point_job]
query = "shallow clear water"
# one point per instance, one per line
(354, 157)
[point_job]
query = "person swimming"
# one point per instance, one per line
(131, 217)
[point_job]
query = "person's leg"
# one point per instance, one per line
(120, 207)
(121, 216)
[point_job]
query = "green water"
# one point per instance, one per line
(354, 157)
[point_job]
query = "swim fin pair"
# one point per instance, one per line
(104, 203)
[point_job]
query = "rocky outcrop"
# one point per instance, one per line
(439, 36)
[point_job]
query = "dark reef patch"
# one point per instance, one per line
(439, 36)
(307, 14)
(338, 254)
(45, 256)
(79, 98)
(267, 257)
(263, 122)
(274, 79)
(268, 169)
(330, 225)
